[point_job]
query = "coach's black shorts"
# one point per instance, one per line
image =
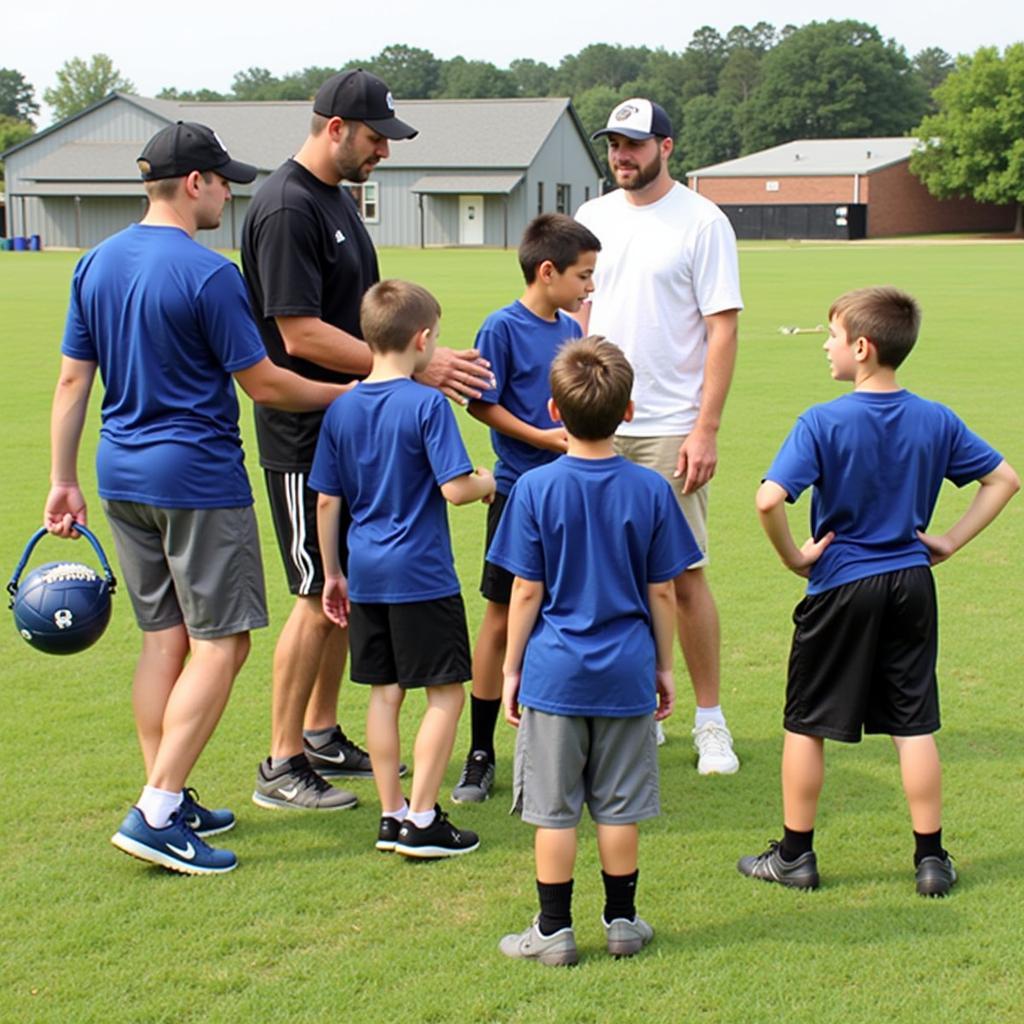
(423, 643)
(293, 509)
(863, 657)
(496, 582)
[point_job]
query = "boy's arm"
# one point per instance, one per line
(661, 599)
(475, 486)
(497, 417)
(523, 609)
(65, 503)
(328, 525)
(771, 510)
(995, 490)
(268, 384)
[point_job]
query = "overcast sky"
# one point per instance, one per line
(203, 44)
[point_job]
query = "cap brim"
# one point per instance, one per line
(629, 133)
(236, 171)
(393, 128)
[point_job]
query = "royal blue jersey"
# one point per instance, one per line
(387, 447)
(168, 322)
(876, 462)
(520, 347)
(596, 532)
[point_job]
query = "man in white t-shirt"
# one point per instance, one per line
(667, 292)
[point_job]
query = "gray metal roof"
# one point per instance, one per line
(458, 184)
(815, 157)
(91, 161)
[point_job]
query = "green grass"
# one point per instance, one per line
(315, 925)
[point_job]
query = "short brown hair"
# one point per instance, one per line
(394, 311)
(591, 381)
(887, 317)
(554, 237)
(167, 188)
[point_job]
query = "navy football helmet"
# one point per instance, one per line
(62, 607)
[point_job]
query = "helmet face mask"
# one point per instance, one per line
(61, 607)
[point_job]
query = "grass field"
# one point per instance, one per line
(317, 926)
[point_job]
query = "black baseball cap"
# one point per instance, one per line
(637, 119)
(182, 148)
(359, 96)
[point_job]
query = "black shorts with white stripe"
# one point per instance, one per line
(293, 509)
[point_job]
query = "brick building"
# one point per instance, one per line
(837, 188)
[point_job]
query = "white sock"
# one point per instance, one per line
(400, 815)
(157, 805)
(421, 819)
(705, 715)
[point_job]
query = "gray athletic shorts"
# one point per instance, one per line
(197, 566)
(563, 761)
(662, 454)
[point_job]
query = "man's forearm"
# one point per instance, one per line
(723, 333)
(312, 339)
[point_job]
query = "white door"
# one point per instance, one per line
(471, 220)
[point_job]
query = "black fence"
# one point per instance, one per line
(799, 220)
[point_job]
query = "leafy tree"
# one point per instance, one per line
(708, 135)
(255, 84)
(411, 73)
(761, 38)
(17, 97)
(533, 78)
(475, 79)
(601, 64)
(974, 145)
(739, 76)
(932, 66)
(168, 92)
(703, 60)
(833, 79)
(81, 83)
(12, 131)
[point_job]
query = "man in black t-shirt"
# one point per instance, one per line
(308, 260)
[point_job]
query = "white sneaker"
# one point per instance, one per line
(715, 756)
(659, 734)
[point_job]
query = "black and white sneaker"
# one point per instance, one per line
(340, 757)
(935, 876)
(477, 779)
(295, 786)
(387, 834)
(769, 866)
(439, 839)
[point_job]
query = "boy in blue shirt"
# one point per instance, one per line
(557, 257)
(395, 454)
(864, 647)
(594, 542)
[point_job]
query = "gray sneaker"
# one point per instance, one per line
(558, 950)
(627, 937)
(769, 866)
(295, 786)
(476, 781)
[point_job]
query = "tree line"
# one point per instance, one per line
(727, 95)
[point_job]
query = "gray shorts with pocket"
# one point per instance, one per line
(564, 761)
(197, 566)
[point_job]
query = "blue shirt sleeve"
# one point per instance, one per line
(226, 319)
(796, 467)
(517, 543)
(673, 547)
(492, 343)
(78, 343)
(970, 457)
(325, 476)
(443, 442)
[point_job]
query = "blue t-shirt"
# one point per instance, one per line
(387, 447)
(596, 532)
(876, 461)
(520, 347)
(168, 322)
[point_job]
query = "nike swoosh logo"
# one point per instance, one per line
(336, 758)
(290, 793)
(188, 853)
(193, 821)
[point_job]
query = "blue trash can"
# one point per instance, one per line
(5, 245)
(35, 243)
(20, 243)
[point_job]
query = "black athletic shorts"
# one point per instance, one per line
(495, 582)
(423, 643)
(863, 658)
(293, 509)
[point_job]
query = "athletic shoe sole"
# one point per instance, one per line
(433, 852)
(274, 804)
(473, 800)
(142, 852)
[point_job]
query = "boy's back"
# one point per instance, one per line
(876, 461)
(387, 447)
(596, 532)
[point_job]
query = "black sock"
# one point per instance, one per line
(483, 717)
(795, 844)
(619, 896)
(555, 906)
(928, 844)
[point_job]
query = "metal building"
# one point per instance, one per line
(474, 176)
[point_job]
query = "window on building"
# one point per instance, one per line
(540, 198)
(586, 193)
(563, 198)
(367, 199)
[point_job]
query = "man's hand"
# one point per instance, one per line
(698, 458)
(335, 600)
(65, 504)
(510, 698)
(665, 684)
(460, 375)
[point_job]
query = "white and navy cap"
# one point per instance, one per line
(637, 119)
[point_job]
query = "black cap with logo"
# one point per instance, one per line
(359, 96)
(182, 148)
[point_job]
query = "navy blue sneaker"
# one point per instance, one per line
(203, 820)
(175, 846)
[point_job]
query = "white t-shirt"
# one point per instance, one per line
(662, 268)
